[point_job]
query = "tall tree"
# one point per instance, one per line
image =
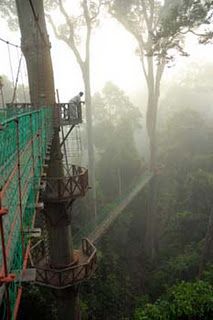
(181, 17)
(146, 21)
(76, 33)
(141, 19)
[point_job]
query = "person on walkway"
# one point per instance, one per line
(75, 105)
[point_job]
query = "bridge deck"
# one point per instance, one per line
(109, 214)
(103, 226)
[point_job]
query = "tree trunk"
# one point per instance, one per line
(150, 237)
(153, 83)
(151, 130)
(151, 121)
(36, 49)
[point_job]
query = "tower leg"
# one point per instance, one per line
(61, 253)
(68, 304)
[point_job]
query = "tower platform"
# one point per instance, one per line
(83, 267)
(62, 189)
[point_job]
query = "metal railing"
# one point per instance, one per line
(69, 114)
(64, 188)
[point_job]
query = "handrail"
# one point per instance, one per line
(59, 188)
(76, 172)
(66, 276)
(66, 268)
(19, 114)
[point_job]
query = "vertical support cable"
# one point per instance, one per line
(79, 144)
(16, 82)
(19, 184)
(62, 131)
(11, 67)
(22, 78)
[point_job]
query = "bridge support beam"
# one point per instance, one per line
(61, 252)
(58, 216)
(60, 238)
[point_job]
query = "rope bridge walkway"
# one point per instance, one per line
(108, 214)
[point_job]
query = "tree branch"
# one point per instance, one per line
(143, 64)
(146, 15)
(57, 34)
(67, 18)
(159, 73)
(97, 12)
(196, 34)
(152, 7)
(69, 41)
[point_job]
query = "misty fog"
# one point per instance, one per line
(142, 75)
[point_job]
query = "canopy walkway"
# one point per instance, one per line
(106, 216)
(25, 141)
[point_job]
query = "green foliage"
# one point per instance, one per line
(200, 186)
(182, 301)
(184, 14)
(38, 303)
(8, 12)
(183, 209)
(165, 21)
(178, 18)
(208, 274)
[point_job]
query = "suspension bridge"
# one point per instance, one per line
(26, 135)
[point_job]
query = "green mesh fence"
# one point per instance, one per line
(23, 141)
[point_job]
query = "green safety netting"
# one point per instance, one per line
(24, 135)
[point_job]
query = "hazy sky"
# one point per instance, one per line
(112, 59)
